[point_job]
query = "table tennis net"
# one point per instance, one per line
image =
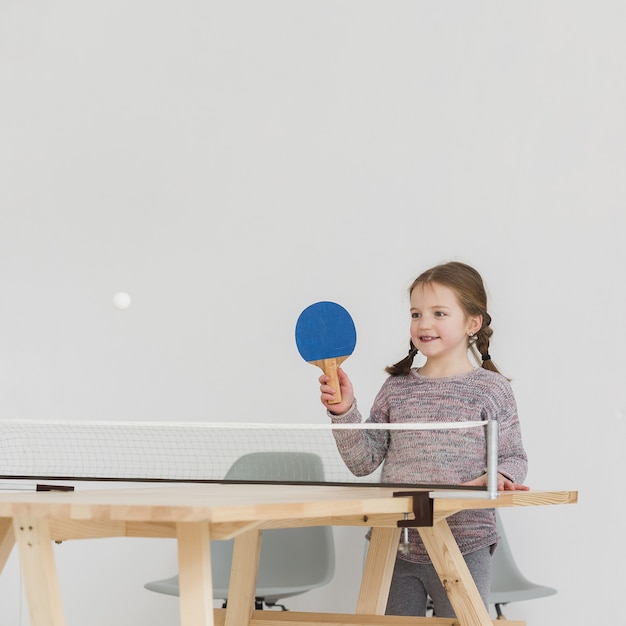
(176, 451)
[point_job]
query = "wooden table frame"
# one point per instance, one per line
(195, 514)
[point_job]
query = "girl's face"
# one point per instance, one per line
(439, 326)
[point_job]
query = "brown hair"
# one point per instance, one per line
(470, 291)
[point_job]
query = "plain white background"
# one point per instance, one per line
(229, 163)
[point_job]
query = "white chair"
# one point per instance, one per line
(508, 584)
(293, 560)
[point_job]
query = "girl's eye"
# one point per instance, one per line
(415, 315)
(440, 314)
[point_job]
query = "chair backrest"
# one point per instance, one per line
(508, 584)
(277, 466)
(293, 560)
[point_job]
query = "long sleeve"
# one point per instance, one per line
(438, 456)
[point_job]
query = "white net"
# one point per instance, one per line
(172, 451)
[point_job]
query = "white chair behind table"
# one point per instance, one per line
(508, 584)
(293, 560)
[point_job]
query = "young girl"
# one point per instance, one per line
(449, 319)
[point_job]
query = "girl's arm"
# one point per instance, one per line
(361, 450)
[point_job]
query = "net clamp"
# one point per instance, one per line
(422, 509)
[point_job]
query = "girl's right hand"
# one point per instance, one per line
(328, 393)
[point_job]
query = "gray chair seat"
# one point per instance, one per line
(508, 584)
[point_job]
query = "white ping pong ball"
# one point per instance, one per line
(121, 300)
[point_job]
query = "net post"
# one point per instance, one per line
(492, 459)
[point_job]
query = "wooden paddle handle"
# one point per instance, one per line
(330, 367)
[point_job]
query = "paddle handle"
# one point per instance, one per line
(330, 367)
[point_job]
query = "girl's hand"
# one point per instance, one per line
(504, 484)
(328, 393)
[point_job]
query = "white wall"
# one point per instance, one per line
(230, 163)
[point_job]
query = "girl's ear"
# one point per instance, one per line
(475, 323)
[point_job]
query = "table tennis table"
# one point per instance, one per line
(194, 514)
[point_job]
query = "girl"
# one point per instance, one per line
(449, 319)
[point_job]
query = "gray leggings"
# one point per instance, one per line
(412, 583)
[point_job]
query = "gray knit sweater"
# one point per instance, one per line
(438, 456)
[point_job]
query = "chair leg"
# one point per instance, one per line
(430, 608)
(499, 612)
(258, 604)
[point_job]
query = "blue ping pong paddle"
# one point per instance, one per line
(325, 337)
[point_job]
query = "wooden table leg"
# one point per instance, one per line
(455, 576)
(39, 571)
(243, 578)
(379, 564)
(194, 574)
(7, 540)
